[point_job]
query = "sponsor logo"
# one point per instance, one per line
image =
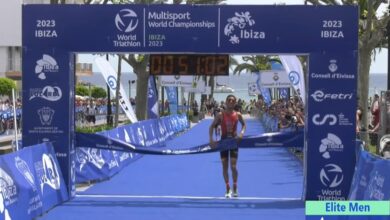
(88, 155)
(46, 65)
(275, 77)
(150, 91)
(8, 189)
(331, 175)
(332, 74)
(46, 115)
(332, 143)
(239, 27)
(252, 87)
(47, 172)
(140, 136)
(329, 119)
(294, 78)
(320, 96)
(23, 169)
(111, 81)
(332, 66)
(50, 93)
(376, 187)
(126, 20)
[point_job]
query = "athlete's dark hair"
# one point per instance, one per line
(229, 96)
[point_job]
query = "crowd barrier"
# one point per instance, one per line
(93, 164)
(371, 180)
(31, 182)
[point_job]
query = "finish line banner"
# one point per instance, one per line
(277, 139)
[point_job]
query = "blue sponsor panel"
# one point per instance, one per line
(331, 126)
(215, 29)
(193, 25)
(371, 180)
(245, 26)
(48, 99)
(32, 182)
(148, 133)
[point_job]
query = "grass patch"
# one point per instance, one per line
(94, 129)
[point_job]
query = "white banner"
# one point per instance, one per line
(176, 81)
(274, 79)
(252, 89)
(198, 87)
(110, 76)
(294, 69)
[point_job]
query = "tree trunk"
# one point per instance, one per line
(117, 95)
(142, 91)
(211, 84)
(363, 84)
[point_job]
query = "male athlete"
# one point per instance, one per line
(228, 120)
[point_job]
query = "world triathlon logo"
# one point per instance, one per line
(294, 78)
(46, 65)
(331, 175)
(239, 27)
(126, 20)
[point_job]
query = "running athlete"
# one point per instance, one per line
(228, 120)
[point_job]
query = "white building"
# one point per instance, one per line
(11, 37)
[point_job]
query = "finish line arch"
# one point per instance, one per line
(328, 34)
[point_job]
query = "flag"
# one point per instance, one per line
(172, 98)
(110, 76)
(265, 92)
(152, 99)
(284, 92)
(294, 69)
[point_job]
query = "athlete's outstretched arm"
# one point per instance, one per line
(243, 125)
(214, 124)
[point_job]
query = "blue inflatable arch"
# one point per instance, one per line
(328, 34)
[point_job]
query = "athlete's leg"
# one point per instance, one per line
(233, 166)
(225, 171)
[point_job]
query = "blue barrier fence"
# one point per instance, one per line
(97, 164)
(31, 182)
(371, 180)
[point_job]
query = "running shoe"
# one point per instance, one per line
(235, 193)
(228, 194)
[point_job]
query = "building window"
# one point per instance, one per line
(14, 59)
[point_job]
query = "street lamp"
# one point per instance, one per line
(130, 82)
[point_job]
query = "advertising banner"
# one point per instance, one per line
(274, 79)
(31, 182)
(177, 81)
(331, 126)
(110, 76)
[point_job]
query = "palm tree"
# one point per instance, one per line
(372, 35)
(253, 64)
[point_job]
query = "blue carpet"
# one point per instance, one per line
(191, 187)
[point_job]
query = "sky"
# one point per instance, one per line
(378, 65)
